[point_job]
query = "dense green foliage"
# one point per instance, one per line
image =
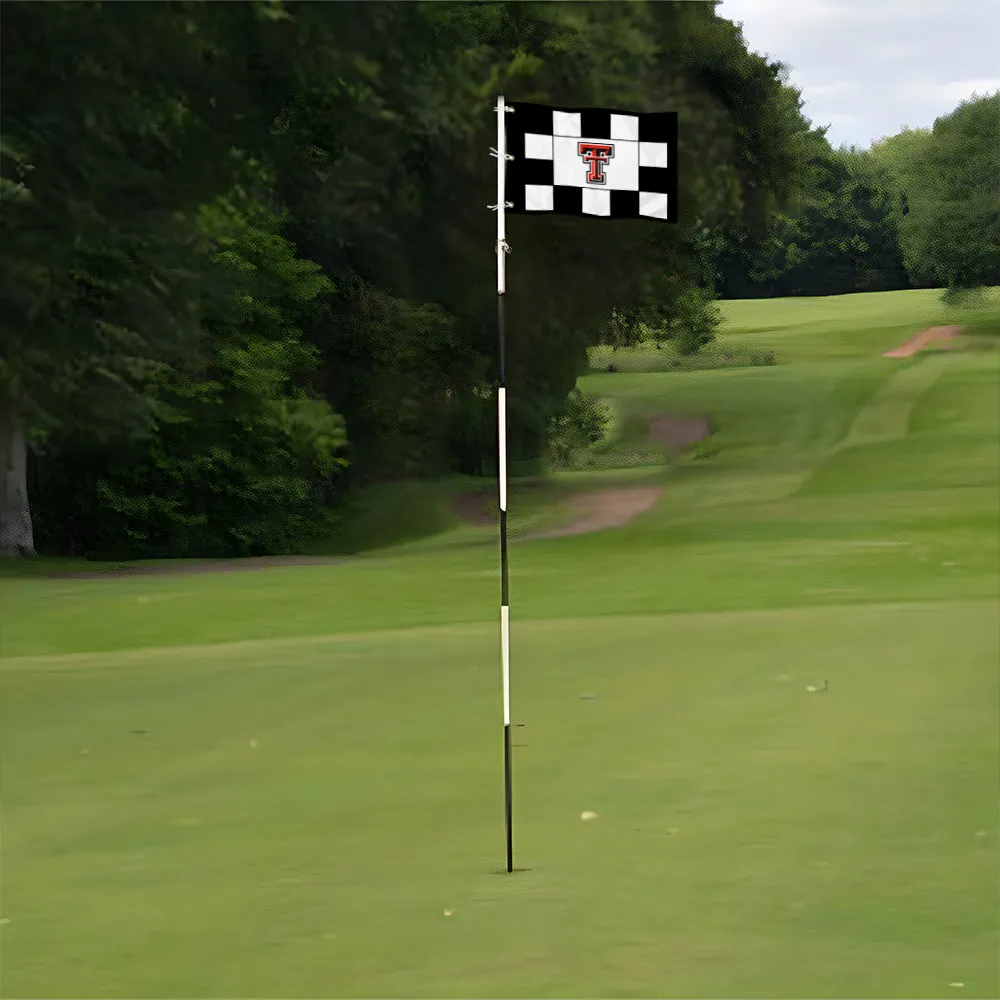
(582, 422)
(918, 209)
(951, 234)
(842, 236)
(241, 457)
(248, 260)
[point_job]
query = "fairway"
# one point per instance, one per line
(778, 689)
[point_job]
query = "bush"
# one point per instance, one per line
(729, 354)
(581, 422)
(241, 460)
(697, 317)
(704, 450)
(622, 330)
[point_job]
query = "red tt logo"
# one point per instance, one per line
(596, 155)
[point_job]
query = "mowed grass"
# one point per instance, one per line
(278, 783)
(817, 328)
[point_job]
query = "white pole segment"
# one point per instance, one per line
(502, 419)
(505, 647)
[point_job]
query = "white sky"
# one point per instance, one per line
(866, 68)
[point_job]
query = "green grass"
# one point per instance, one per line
(754, 331)
(314, 775)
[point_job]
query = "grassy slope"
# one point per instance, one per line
(754, 839)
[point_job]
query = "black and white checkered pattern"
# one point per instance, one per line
(548, 172)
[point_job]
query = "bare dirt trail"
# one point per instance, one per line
(471, 508)
(593, 511)
(604, 509)
(598, 510)
(923, 339)
(678, 432)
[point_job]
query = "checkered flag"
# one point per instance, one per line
(590, 162)
(584, 162)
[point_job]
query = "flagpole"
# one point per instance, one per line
(501, 251)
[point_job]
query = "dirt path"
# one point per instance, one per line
(921, 340)
(594, 511)
(604, 509)
(601, 509)
(678, 432)
(471, 508)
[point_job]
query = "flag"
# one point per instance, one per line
(569, 161)
(591, 162)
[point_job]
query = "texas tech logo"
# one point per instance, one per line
(596, 155)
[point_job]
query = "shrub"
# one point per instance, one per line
(622, 330)
(581, 422)
(697, 317)
(704, 450)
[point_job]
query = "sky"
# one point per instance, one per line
(866, 68)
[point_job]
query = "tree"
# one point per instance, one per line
(406, 140)
(243, 456)
(120, 122)
(622, 330)
(101, 163)
(901, 154)
(841, 236)
(951, 232)
(371, 161)
(876, 203)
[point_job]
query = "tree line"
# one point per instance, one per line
(247, 260)
(920, 209)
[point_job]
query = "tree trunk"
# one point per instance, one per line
(16, 535)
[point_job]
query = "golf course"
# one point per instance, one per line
(774, 682)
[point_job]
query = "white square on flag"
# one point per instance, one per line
(538, 197)
(566, 123)
(652, 154)
(625, 127)
(596, 202)
(538, 147)
(653, 205)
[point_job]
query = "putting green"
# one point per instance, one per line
(288, 783)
